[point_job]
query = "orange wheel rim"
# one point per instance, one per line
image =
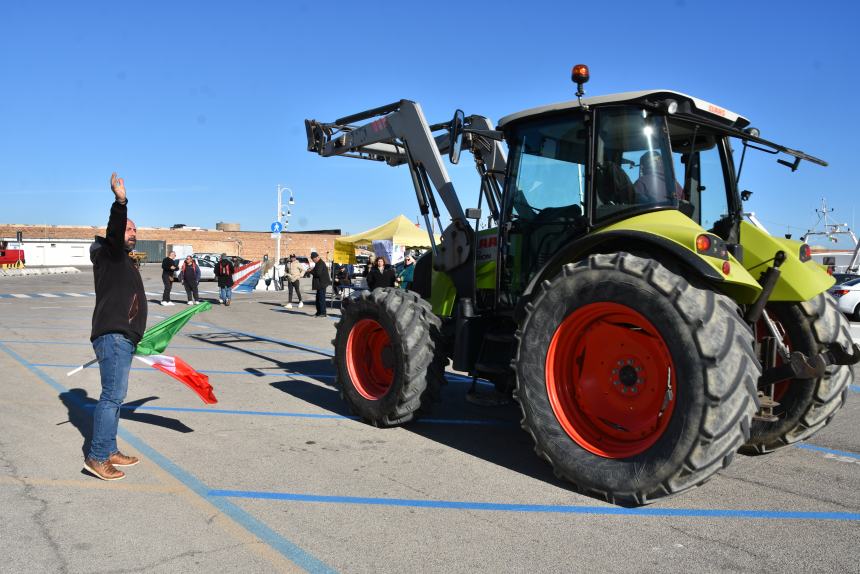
(370, 359)
(610, 380)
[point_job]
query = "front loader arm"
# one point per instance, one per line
(399, 133)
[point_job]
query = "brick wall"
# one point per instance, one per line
(248, 244)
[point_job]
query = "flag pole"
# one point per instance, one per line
(80, 368)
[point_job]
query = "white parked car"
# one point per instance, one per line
(847, 297)
(207, 269)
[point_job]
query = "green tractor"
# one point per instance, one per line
(646, 327)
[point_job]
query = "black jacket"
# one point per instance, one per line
(224, 272)
(377, 278)
(320, 275)
(189, 275)
(120, 298)
(166, 265)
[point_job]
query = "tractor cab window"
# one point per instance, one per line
(701, 167)
(633, 163)
(548, 169)
(545, 196)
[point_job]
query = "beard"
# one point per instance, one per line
(130, 243)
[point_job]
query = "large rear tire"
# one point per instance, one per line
(388, 356)
(805, 405)
(634, 384)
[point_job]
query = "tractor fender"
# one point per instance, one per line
(669, 253)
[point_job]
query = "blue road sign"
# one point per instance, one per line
(277, 227)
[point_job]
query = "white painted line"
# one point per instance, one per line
(51, 307)
(19, 296)
(49, 295)
(855, 332)
(74, 294)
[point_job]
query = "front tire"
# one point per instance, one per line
(388, 356)
(634, 384)
(805, 405)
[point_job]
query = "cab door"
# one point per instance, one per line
(545, 197)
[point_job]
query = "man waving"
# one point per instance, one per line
(119, 321)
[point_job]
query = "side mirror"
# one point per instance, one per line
(455, 133)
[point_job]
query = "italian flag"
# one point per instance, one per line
(155, 340)
(182, 372)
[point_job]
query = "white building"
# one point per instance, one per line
(54, 252)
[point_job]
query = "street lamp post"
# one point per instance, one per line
(282, 217)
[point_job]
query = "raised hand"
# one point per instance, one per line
(117, 185)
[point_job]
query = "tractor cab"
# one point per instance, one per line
(577, 168)
(585, 166)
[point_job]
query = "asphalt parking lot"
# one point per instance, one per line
(278, 477)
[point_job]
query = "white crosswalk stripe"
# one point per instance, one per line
(85, 294)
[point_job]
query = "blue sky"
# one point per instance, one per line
(200, 105)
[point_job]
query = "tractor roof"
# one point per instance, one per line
(697, 106)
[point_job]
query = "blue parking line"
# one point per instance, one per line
(282, 545)
(432, 421)
(327, 352)
(542, 508)
(807, 446)
(208, 348)
(854, 388)
(204, 371)
(450, 376)
(319, 350)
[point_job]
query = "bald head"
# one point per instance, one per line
(130, 234)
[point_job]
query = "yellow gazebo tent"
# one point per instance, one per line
(400, 231)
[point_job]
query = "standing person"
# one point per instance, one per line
(380, 275)
(294, 273)
(224, 272)
(119, 320)
(333, 269)
(406, 275)
(651, 185)
(320, 282)
(340, 278)
(189, 272)
(168, 266)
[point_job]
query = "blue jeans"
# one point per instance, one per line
(321, 301)
(225, 293)
(114, 353)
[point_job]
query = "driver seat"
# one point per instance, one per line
(613, 185)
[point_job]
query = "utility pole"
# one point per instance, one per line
(282, 218)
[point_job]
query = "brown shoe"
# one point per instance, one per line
(103, 469)
(119, 459)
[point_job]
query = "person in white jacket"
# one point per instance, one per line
(294, 273)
